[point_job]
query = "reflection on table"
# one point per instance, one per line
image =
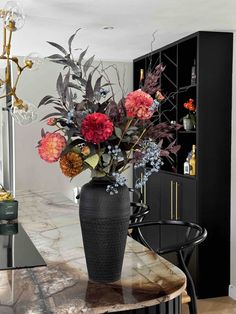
(52, 223)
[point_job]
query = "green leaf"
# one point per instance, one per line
(92, 161)
(72, 38)
(72, 145)
(66, 79)
(81, 57)
(44, 100)
(72, 85)
(88, 64)
(74, 67)
(63, 50)
(56, 56)
(118, 132)
(62, 61)
(43, 133)
(89, 90)
(60, 85)
(97, 85)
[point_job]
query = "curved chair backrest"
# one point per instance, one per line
(194, 235)
(190, 241)
(139, 211)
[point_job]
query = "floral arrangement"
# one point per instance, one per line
(192, 111)
(95, 132)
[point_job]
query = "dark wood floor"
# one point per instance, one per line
(223, 305)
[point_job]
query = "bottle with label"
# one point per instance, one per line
(192, 162)
(186, 167)
(141, 79)
(193, 73)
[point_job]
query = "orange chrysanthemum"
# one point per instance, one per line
(190, 105)
(138, 105)
(51, 146)
(71, 164)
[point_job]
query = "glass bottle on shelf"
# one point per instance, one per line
(186, 166)
(193, 73)
(141, 79)
(192, 162)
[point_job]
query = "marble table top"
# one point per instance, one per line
(52, 222)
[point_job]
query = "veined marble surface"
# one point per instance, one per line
(52, 222)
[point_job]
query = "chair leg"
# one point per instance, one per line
(190, 285)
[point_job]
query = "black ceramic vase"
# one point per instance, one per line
(104, 222)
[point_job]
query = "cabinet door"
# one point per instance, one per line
(185, 199)
(167, 196)
(178, 202)
(186, 208)
(152, 197)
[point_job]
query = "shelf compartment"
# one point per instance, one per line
(187, 53)
(185, 140)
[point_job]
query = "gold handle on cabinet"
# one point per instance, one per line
(171, 199)
(141, 190)
(145, 194)
(176, 200)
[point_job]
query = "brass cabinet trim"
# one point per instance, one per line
(171, 199)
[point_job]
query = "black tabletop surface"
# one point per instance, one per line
(16, 248)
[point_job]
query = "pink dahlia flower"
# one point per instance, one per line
(138, 105)
(96, 127)
(51, 146)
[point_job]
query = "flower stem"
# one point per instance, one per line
(125, 130)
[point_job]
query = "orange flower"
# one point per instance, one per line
(190, 105)
(51, 146)
(159, 96)
(85, 150)
(51, 121)
(71, 164)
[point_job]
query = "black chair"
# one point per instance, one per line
(139, 211)
(193, 236)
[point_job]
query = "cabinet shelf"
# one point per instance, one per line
(180, 175)
(173, 195)
(187, 132)
(183, 88)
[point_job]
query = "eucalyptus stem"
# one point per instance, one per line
(99, 155)
(132, 148)
(125, 130)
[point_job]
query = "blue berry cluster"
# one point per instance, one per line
(70, 116)
(155, 105)
(119, 181)
(150, 162)
(103, 92)
(114, 151)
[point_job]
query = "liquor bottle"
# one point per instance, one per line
(192, 162)
(141, 79)
(193, 73)
(186, 167)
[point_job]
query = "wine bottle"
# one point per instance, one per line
(141, 79)
(193, 73)
(192, 162)
(186, 167)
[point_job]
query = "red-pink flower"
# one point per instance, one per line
(51, 146)
(159, 96)
(96, 128)
(138, 105)
(51, 121)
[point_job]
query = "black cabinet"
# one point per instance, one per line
(204, 198)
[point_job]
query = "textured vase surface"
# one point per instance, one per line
(104, 222)
(187, 124)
